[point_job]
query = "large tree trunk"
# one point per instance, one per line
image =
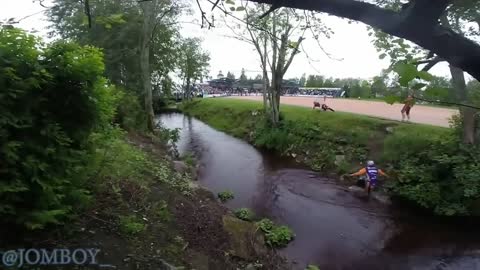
(469, 123)
(148, 11)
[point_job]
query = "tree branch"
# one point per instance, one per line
(215, 5)
(426, 11)
(453, 47)
(430, 63)
(272, 8)
(87, 12)
(292, 55)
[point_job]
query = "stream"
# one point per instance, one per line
(335, 229)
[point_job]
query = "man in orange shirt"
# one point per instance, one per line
(408, 104)
(372, 175)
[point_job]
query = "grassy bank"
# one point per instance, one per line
(423, 160)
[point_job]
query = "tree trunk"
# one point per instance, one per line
(467, 114)
(145, 61)
(187, 90)
(265, 75)
(275, 98)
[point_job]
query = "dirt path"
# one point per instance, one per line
(420, 114)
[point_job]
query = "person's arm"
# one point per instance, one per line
(361, 172)
(382, 173)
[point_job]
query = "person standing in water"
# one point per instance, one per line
(408, 104)
(372, 173)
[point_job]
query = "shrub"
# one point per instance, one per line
(161, 210)
(130, 113)
(131, 225)
(245, 214)
(265, 225)
(225, 196)
(275, 236)
(279, 236)
(52, 99)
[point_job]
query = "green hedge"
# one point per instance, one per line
(52, 99)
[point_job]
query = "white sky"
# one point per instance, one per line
(350, 42)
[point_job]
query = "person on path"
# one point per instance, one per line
(326, 108)
(408, 104)
(372, 172)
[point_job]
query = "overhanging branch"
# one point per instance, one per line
(430, 63)
(444, 42)
(272, 9)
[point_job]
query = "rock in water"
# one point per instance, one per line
(246, 241)
(180, 166)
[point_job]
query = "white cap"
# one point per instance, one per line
(370, 163)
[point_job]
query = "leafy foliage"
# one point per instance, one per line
(279, 236)
(225, 195)
(275, 236)
(436, 172)
(131, 225)
(312, 267)
(52, 99)
(265, 224)
(193, 62)
(244, 213)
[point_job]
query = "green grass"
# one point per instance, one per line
(315, 136)
(234, 116)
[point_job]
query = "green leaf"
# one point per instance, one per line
(240, 8)
(407, 73)
(230, 2)
(232, 8)
(418, 86)
(392, 99)
(425, 75)
(382, 56)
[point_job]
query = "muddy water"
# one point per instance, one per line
(335, 229)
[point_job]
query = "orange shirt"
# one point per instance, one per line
(409, 102)
(363, 171)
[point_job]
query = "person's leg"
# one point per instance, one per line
(403, 113)
(407, 111)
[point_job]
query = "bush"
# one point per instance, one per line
(265, 224)
(244, 214)
(225, 196)
(275, 236)
(130, 114)
(52, 99)
(131, 225)
(442, 177)
(279, 236)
